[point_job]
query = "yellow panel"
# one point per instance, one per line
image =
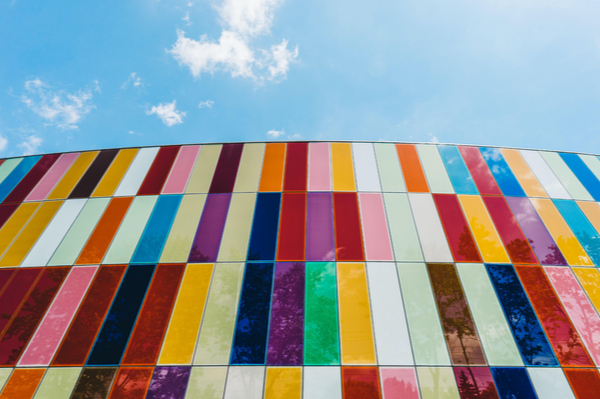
(483, 229)
(29, 235)
(16, 222)
(590, 280)
(343, 169)
(592, 212)
(204, 169)
(178, 245)
(234, 244)
(355, 315)
(71, 178)
(524, 175)
(562, 234)
(283, 383)
(115, 173)
(180, 341)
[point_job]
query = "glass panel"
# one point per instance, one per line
(206, 383)
(399, 383)
(583, 173)
(87, 322)
(551, 184)
(457, 170)
(50, 179)
(115, 173)
(72, 176)
(179, 243)
(29, 181)
(150, 326)
(585, 383)
(292, 227)
(210, 230)
(504, 176)
(580, 225)
(5, 275)
(319, 167)
(8, 166)
(204, 169)
(15, 292)
(479, 170)
(321, 339)
(322, 383)
(181, 171)
(131, 383)
(22, 384)
(272, 172)
(498, 342)
(18, 173)
(169, 382)
(236, 234)
(348, 237)
(6, 211)
(361, 383)
(319, 227)
(158, 172)
(44, 343)
(411, 167)
(389, 320)
(226, 170)
(16, 222)
(180, 339)
(475, 382)
(592, 212)
(590, 281)
(137, 172)
(5, 373)
(592, 162)
(342, 169)
(513, 383)
(550, 383)
(94, 382)
(566, 176)
(523, 173)
(250, 343)
(245, 382)
(214, 343)
(434, 169)
(437, 383)
(92, 176)
(283, 383)
(432, 237)
(58, 383)
(355, 315)
(265, 227)
(250, 166)
(389, 168)
(402, 228)
(286, 330)
(296, 167)
(375, 230)
(456, 228)
(365, 167)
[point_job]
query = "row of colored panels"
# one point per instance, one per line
(310, 226)
(300, 167)
(295, 313)
(296, 383)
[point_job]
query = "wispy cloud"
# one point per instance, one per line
(133, 80)
(3, 143)
(275, 133)
(168, 113)
(30, 145)
(59, 108)
(206, 104)
(187, 19)
(242, 21)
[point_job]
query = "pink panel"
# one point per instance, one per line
(399, 383)
(44, 343)
(182, 168)
(55, 173)
(578, 307)
(319, 167)
(375, 229)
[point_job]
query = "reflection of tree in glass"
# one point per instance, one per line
(554, 257)
(469, 389)
(519, 251)
(131, 383)
(466, 246)
(591, 244)
(356, 389)
(168, 382)
(399, 389)
(93, 383)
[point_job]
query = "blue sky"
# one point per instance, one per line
(85, 75)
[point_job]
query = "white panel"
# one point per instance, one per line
(134, 177)
(566, 176)
(391, 333)
(542, 171)
(322, 383)
(245, 382)
(550, 383)
(431, 234)
(365, 167)
(44, 248)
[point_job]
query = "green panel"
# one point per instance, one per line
(250, 168)
(216, 334)
(58, 383)
(388, 164)
(181, 236)
(496, 337)
(204, 169)
(402, 228)
(566, 176)
(8, 167)
(321, 338)
(206, 383)
(4, 374)
(436, 173)
(424, 325)
(80, 231)
(126, 240)
(437, 383)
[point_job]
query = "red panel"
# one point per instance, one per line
(486, 184)
(226, 170)
(296, 167)
(6, 211)
(585, 383)
(361, 383)
(23, 326)
(155, 179)
(131, 383)
(5, 275)
(87, 322)
(292, 227)
(456, 228)
(22, 190)
(15, 292)
(348, 235)
(513, 238)
(560, 330)
(151, 325)
(475, 382)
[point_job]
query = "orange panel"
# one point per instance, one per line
(412, 169)
(22, 384)
(272, 171)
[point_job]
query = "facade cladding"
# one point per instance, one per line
(300, 270)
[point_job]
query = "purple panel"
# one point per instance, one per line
(169, 382)
(540, 240)
(286, 333)
(319, 229)
(210, 230)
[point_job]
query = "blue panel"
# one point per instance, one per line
(457, 170)
(155, 235)
(118, 325)
(583, 173)
(250, 342)
(529, 336)
(16, 175)
(504, 176)
(582, 228)
(513, 383)
(264, 227)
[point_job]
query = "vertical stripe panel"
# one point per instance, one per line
(480, 171)
(523, 173)
(159, 171)
(251, 163)
(245, 382)
(501, 171)
(361, 382)
(17, 221)
(411, 167)
(236, 235)
(64, 187)
(210, 230)
(226, 170)
(292, 227)
(436, 174)
(348, 237)
(389, 168)
(50, 179)
(22, 384)
(457, 230)
(403, 232)
(566, 176)
(365, 167)
(271, 178)
(58, 383)
(375, 230)
(457, 170)
(544, 174)
(136, 173)
(399, 382)
(322, 383)
(319, 167)
(296, 167)
(437, 383)
(92, 176)
(265, 227)
(204, 169)
(181, 171)
(319, 227)
(433, 241)
(181, 236)
(550, 383)
(283, 383)
(22, 190)
(583, 173)
(112, 178)
(342, 168)
(18, 173)
(206, 383)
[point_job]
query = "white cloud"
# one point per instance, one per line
(295, 136)
(135, 81)
(248, 17)
(275, 133)
(433, 139)
(206, 104)
(59, 108)
(187, 18)
(280, 59)
(3, 143)
(167, 113)
(30, 145)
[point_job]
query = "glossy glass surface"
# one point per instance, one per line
(399, 383)
(207, 382)
(94, 382)
(168, 382)
(437, 383)
(181, 170)
(431, 234)
(319, 171)
(342, 170)
(64, 187)
(403, 232)
(585, 383)
(319, 227)
(480, 171)
(292, 231)
(566, 176)
(210, 230)
(204, 169)
(583, 173)
(348, 237)
(29, 181)
(283, 383)
(457, 230)
(581, 227)
(436, 174)
(361, 383)
(475, 382)
(457, 170)
(22, 384)
(544, 174)
(14, 177)
(111, 179)
(411, 168)
(272, 172)
(131, 383)
(236, 233)
(388, 164)
(523, 173)
(501, 171)
(296, 171)
(183, 231)
(322, 382)
(550, 383)
(133, 179)
(226, 170)
(58, 383)
(376, 237)
(92, 176)
(250, 167)
(513, 383)
(367, 176)
(264, 228)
